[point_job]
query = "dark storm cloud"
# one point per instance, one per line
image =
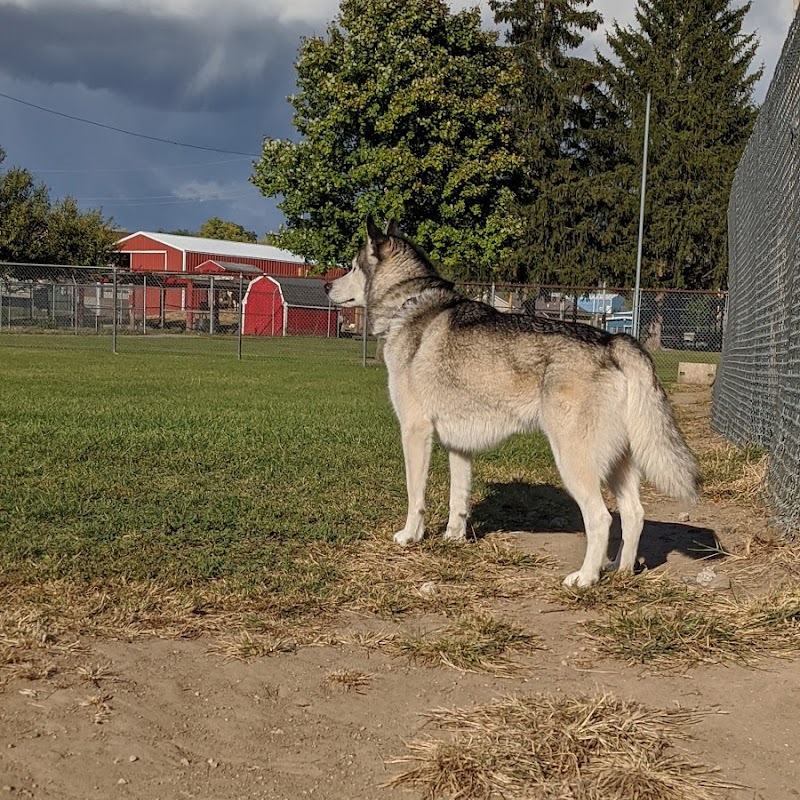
(157, 62)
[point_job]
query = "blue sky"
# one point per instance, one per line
(198, 71)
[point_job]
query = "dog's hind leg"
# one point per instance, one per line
(582, 480)
(624, 483)
(460, 487)
(417, 440)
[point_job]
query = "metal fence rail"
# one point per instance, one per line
(757, 392)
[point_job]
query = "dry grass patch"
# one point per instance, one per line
(760, 561)
(40, 624)
(733, 473)
(564, 748)
(712, 629)
(728, 472)
(247, 646)
(349, 679)
(99, 707)
(619, 591)
(472, 643)
(653, 620)
(436, 576)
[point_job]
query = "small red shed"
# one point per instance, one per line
(280, 306)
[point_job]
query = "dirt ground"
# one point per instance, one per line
(174, 719)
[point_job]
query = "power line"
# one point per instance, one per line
(126, 132)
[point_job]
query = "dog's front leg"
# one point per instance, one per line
(417, 441)
(460, 487)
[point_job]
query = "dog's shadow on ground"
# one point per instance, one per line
(543, 508)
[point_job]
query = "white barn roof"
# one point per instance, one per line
(218, 247)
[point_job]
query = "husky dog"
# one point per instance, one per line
(474, 376)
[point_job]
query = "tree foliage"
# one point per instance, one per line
(216, 228)
(400, 111)
(35, 230)
(556, 109)
(696, 61)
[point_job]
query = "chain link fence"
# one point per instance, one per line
(244, 312)
(757, 392)
(263, 315)
(675, 325)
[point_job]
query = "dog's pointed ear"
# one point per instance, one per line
(375, 238)
(392, 228)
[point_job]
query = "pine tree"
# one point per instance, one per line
(696, 62)
(556, 110)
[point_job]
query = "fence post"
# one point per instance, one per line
(364, 339)
(605, 310)
(211, 306)
(144, 304)
(75, 302)
(329, 319)
(241, 320)
(2, 304)
(114, 311)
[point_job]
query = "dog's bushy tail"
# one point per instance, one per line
(657, 446)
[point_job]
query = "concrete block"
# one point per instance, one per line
(697, 374)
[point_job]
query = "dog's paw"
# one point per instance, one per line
(405, 538)
(455, 535)
(579, 580)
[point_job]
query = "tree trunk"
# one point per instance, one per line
(652, 338)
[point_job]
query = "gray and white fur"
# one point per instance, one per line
(475, 376)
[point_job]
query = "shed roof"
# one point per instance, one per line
(308, 292)
(218, 247)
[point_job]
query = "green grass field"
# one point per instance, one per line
(175, 462)
(191, 470)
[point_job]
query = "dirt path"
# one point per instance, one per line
(172, 719)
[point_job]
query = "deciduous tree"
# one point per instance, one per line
(216, 228)
(400, 112)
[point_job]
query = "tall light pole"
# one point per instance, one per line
(637, 303)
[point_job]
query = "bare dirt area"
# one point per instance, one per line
(154, 717)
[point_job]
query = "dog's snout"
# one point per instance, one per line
(327, 288)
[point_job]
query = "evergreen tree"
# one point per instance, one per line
(556, 108)
(400, 112)
(696, 62)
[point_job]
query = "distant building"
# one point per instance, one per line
(168, 252)
(621, 322)
(602, 303)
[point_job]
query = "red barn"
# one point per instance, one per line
(168, 252)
